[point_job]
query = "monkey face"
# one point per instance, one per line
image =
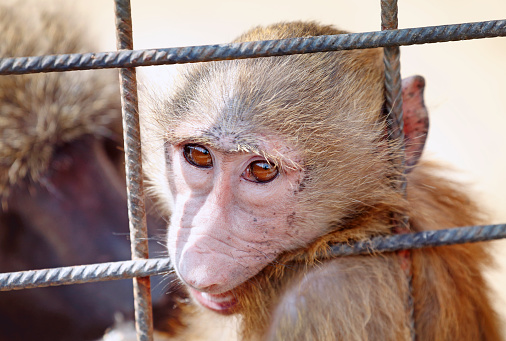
(210, 145)
(233, 214)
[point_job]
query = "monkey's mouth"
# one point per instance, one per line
(221, 303)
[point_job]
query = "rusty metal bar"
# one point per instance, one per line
(148, 267)
(395, 125)
(430, 238)
(393, 87)
(134, 177)
(205, 53)
(393, 94)
(84, 274)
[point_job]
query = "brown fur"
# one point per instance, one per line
(40, 112)
(328, 106)
(451, 296)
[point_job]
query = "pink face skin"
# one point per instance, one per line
(225, 228)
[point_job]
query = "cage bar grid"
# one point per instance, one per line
(140, 267)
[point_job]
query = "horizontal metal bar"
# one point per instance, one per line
(459, 235)
(83, 274)
(204, 53)
(149, 267)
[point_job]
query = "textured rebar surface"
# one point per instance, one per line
(150, 267)
(389, 16)
(395, 125)
(134, 177)
(460, 235)
(393, 93)
(83, 274)
(191, 54)
(393, 86)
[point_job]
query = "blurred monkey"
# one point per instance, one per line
(62, 191)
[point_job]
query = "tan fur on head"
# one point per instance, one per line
(40, 112)
(228, 95)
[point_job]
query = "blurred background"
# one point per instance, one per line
(465, 92)
(466, 87)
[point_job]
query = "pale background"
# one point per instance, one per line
(466, 81)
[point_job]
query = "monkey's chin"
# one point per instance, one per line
(224, 303)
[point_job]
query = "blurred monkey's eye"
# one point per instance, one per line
(198, 156)
(260, 171)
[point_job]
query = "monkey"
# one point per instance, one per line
(62, 183)
(260, 165)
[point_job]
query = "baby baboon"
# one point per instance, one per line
(263, 163)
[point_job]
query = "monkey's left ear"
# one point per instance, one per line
(416, 119)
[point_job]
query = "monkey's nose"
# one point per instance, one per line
(202, 267)
(202, 283)
(202, 277)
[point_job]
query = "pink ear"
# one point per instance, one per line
(416, 119)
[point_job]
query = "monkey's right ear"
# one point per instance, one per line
(416, 119)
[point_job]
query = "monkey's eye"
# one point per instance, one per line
(260, 171)
(198, 156)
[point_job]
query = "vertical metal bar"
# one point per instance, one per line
(393, 86)
(133, 166)
(395, 124)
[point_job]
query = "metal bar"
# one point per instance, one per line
(459, 235)
(83, 274)
(205, 53)
(393, 87)
(395, 125)
(393, 96)
(149, 267)
(393, 99)
(133, 167)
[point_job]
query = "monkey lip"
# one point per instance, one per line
(221, 303)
